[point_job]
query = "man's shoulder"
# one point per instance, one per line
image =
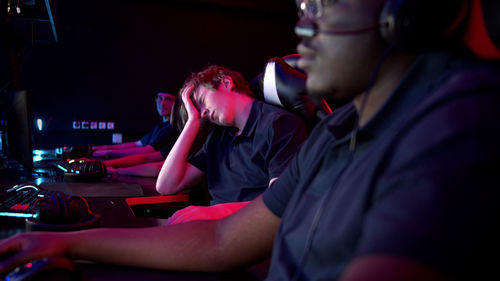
(270, 113)
(464, 73)
(166, 126)
(463, 80)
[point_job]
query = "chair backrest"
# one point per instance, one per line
(482, 28)
(283, 84)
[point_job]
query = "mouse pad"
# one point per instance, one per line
(96, 189)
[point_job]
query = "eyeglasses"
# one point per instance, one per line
(312, 9)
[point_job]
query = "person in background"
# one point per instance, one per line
(149, 164)
(162, 136)
(399, 184)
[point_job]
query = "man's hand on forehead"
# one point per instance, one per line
(186, 92)
(191, 109)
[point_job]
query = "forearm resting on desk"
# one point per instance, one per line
(114, 153)
(211, 246)
(133, 160)
(143, 170)
(116, 146)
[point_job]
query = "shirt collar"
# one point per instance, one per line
(251, 123)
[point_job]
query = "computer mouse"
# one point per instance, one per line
(50, 268)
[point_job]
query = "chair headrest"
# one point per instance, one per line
(283, 84)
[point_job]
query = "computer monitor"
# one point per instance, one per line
(19, 129)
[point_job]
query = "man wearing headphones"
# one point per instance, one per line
(399, 184)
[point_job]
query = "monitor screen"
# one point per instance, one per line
(19, 130)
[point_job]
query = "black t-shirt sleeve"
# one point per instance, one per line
(166, 136)
(145, 140)
(288, 133)
(277, 195)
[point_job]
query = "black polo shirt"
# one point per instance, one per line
(422, 183)
(238, 168)
(163, 134)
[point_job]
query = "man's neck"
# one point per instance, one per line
(244, 106)
(390, 75)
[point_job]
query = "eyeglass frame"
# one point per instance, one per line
(311, 9)
(307, 26)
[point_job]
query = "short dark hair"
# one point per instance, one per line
(167, 93)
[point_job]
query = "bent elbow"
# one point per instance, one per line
(164, 189)
(160, 188)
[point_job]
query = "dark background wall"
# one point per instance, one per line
(113, 56)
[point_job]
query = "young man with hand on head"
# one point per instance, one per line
(399, 184)
(162, 136)
(251, 144)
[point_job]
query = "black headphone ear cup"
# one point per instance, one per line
(399, 22)
(43, 210)
(86, 167)
(52, 210)
(79, 208)
(103, 169)
(95, 167)
(55, 205)
(65, 215)
(72, 213)
(416, 25)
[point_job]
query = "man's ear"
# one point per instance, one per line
(227, 81)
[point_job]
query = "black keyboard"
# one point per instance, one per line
(19, 200)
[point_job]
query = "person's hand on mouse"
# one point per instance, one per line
(25, 247)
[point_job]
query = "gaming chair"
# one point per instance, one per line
(283, 84)
(482, 33)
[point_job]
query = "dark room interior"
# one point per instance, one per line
(250, 140)
(105, 61)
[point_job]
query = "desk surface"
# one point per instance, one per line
(115, 212)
